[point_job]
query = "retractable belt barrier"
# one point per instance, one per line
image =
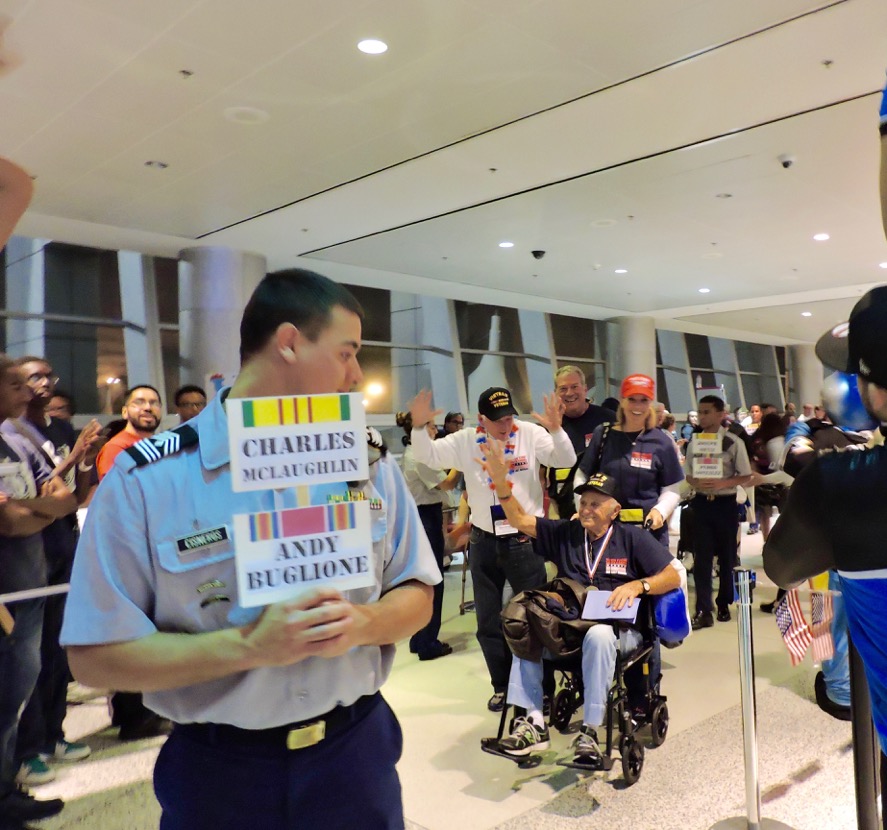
(34, 593)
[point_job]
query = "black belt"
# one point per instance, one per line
(297, 735)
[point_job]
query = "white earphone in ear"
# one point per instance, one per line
(288, 354)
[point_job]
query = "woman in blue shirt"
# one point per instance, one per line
(641, 457)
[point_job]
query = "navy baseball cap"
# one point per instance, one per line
(859, 346)
(599, 483)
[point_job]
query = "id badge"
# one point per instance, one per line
(500, 522)
(642, 460)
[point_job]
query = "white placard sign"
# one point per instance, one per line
(309, 439)
(280, 553)
(707, 459)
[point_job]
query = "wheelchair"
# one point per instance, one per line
(635, 703)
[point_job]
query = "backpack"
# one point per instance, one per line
(548, 617)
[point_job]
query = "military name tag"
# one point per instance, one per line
(202, 539)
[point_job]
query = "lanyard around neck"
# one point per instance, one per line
(597, 560)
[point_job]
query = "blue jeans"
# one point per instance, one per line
(40, 727)
(599, 648)
(347, 780)
(493, 561)
(836, 672)
(19, 668)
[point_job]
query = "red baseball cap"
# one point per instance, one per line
(638, 385)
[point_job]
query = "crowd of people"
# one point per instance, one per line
(225, 683)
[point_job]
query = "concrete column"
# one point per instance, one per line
(214, 286)
(807, 373)
(635, 347)
(25, 291)
(138, 298)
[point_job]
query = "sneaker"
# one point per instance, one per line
(69, 751)
(19, 806)
(753, 529)
(497, 702)
(588, 751)
(526, 737)
(35, 771)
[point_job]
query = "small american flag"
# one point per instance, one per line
(821, 615)
(793, 627)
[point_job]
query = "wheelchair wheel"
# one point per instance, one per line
(562, 709)
(659, 723)
(632, 760)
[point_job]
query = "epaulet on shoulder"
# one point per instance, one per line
(152, 449)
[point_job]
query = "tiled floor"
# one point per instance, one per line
(693, 781)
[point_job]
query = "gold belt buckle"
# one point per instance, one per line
(305, 736)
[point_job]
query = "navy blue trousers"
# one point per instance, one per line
(346, 781)
(426, 639)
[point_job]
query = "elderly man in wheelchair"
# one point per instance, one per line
(594, 550)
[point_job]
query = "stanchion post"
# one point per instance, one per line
(743, 580)
(866, 752)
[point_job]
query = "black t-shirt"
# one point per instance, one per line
(60, 537)
(580, 429)
(631, 554)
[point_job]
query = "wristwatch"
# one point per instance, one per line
(645, 585)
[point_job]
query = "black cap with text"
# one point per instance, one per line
(599, 483)
(495, 403)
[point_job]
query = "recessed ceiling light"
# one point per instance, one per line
(372, 47)
(713, 255)
(704, 290)
(882, 265)
(621, 270)
(603, 223)
(506, 244)
(820, 237)
(157, 165)
(246, 115)
(806, 314)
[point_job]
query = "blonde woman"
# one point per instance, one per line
(639, 456)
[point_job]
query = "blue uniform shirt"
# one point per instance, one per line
(130, 580)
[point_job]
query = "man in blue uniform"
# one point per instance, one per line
(279, 720)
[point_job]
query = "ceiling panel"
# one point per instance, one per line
(98, 94)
